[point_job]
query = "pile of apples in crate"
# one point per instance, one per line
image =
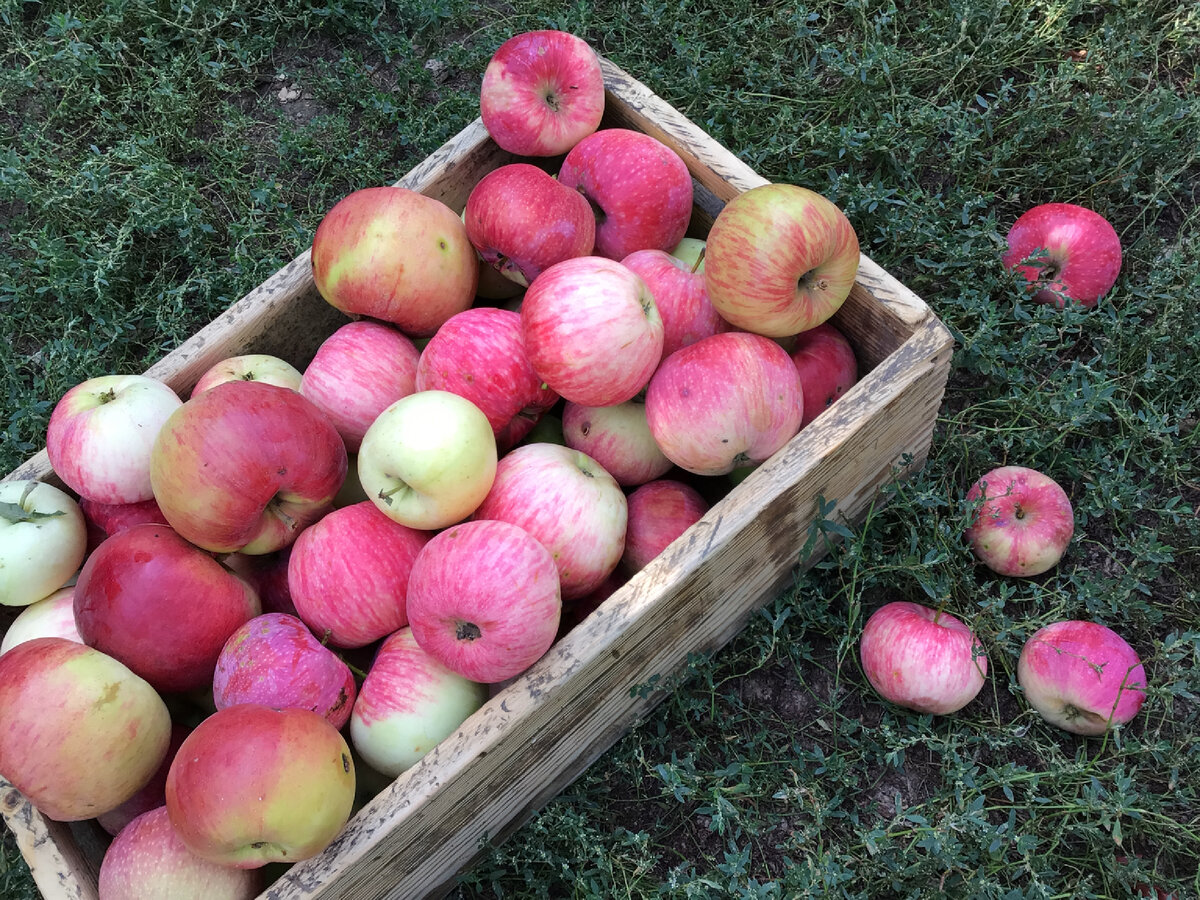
(445, 488)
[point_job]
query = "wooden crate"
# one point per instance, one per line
(538, 734)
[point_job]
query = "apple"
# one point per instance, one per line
(1081, 676)
(267, 573)
(780, 259)
(149, 861)
(547, 430)
(409, 702)
(522, 221)
(659, 512)
(161, 606)
(395, 255)
(274, 659)
(592, 331)
(726, 401)
(79, 732)
(250, 367)
(246, 466)
(1065, 252)
(618, 438)
(101, 432)
(152, 794)
(484, 600)
(348, 574)
(679, 293)
(112, 518)
(479, 354)
(253, 785)
(827, 365)
(52, 616)
(428, 460)
(1024, 521)
(43, 539)
(542, 93)
(358, 372)
(565, 500)
(639, 188)
(922, 659)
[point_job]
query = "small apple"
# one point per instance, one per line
(1065, 252)
(52, 616)
(250, 367)
(618, 438)
(1024, 522)
(922, 659)
(659, 512)
(679, 293)
(827, 365)
(43, 539)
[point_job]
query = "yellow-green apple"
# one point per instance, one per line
(479, 354)
(246, 466)
(395, 255)
(101, 433)
(428, 459)
(43, 539)
(358, 372)
(659, 512)
(679, 293)
(1023, 523)
(922, 659)
(542, 93)
(52, 616)
(639, 188)
(569, 503)
(275, 660)
(149, 861)
(827, 365)
(253, 785)
(151, 795)
(1081, 676)
(161, 606)
(780, 259)
(409, 702)
(79, 732)
(618, 438)
(250, 367)
(1064, 252)
(726, 401)
(522, 221)
(484, 600)
(348, 574)
(592, 331)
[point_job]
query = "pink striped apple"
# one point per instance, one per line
(659, 512)
(1066, 252)
(679, 293)
(1024, 521)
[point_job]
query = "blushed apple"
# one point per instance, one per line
(52, 616)
(1023, 523)
(618, 438)
(680, 295)
(43, 539)
(827, 366)
(267, 573)
(1065, 252)
(152, 794)
(659, 512)
(262, 367)
(112, 518)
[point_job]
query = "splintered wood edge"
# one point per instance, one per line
(54, 858)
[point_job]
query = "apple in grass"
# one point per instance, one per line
(479, 354)
(52, 616)
(639, 188)
(724, 402)
(780, 259)
(43, 539)
(827, 366)
(679, 293)
(101, 433)
(659, 512)
(922, 659)
(253, 785)
(484, 600)
(428, 460)
(592, 331)
(618, 438)
(246, 467)
(358, 372)
(79, 732)
(1023, 523)
(409, 702)
(542, 93)
(1065, 252)
(250, 367)
(395, 255)
(348, 574)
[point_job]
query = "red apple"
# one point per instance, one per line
(395, 255)
(153, 792)
(680, 295)
(484, 600)
(659, 512)
(112, 518)
(1065, 252)
(922, 659)
(827, 365)
(780, 259)
(724, 402)
(246, 466)
(618, 438)
(639, 187)
(267, 573)
(542, 93)
(591, 330)
(1082, 677)
(1024, 522)
(250, 367)
(43, 539)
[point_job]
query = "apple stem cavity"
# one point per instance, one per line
(386, 496)
(467, 631)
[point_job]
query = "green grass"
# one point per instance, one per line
(149, 176)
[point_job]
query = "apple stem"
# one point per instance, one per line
(386, 496)
(108, 396)
(699, 259)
